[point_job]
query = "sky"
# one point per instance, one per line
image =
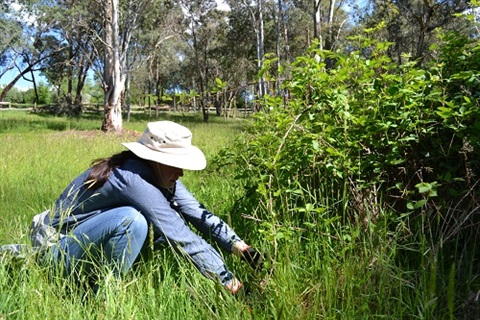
(221, 5)
(21, 84)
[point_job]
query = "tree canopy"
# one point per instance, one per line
(159, 48)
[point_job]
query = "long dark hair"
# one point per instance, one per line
(102, 167)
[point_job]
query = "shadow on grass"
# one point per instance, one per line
(38, 123)
(27, 121)
(175, 117)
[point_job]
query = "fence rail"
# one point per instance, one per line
(8, 104)
(98, 108)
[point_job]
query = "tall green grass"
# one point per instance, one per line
(39, 156)
(345, 273)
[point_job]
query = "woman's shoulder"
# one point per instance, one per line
(135, 169)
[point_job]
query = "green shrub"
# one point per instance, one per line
(380, 141)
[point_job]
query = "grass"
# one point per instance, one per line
(40, 155)
(345, 274)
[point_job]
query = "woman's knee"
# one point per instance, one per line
(134, 220)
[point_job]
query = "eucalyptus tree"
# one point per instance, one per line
(38, 42)
(78, 29)
(255, 11)
(120, 24)
(116, 37)
(156, 58)
(330, 20)
(281, 34)
(11, 35)
(240, 47)
(201, 23)
(411, 24)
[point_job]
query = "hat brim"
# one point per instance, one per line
(193, 159)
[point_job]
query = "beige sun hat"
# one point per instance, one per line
(168, 143)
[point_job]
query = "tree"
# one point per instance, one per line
(410, 24)
(11, 35)
(114, 63)
(200, 21)
(255, 10)
(120, 24)
(329, 20)
(154, 62)
(68, 71)
(40, 96)
(36, 45)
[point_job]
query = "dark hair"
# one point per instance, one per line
(102, 167)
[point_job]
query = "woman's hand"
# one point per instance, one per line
(234, 285)
(239, 247)
(248, 254)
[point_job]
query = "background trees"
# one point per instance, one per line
(144, 51)
(411, 25)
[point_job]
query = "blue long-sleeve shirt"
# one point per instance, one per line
(170, 213)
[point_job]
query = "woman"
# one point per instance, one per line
(111, 206)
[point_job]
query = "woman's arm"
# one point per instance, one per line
(150, 201)
(206, 222)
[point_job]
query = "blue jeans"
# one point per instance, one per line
(113, 238)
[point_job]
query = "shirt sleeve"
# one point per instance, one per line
(206, 222)
(168, 223)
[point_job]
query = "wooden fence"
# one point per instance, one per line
(7, 104)
(98, 108)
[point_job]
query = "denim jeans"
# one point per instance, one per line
(113, 238)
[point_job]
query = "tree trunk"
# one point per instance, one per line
(12, 83)
(127, 92)
(260, 47)
(277, 43)
(317, 24)
(330, 38)
(283, 31)
(114, 81)
(257, 22)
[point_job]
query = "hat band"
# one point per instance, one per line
(185, 150)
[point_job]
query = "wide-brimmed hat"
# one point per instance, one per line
(168, 143)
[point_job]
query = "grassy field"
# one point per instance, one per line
(39, 156)
(346, 274)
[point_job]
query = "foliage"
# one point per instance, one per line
(369, 125)
(44, 95)
(17, 96)
(367, 144)
(412, 25)
(348, 272)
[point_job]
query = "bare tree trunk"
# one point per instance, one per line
(257, 22)
(277, 44)
(127, 92)
(330, 39)
(317, 24)
(284, 29)
(114, 81)
(260, 47)
(35, 90)
(330, 36)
